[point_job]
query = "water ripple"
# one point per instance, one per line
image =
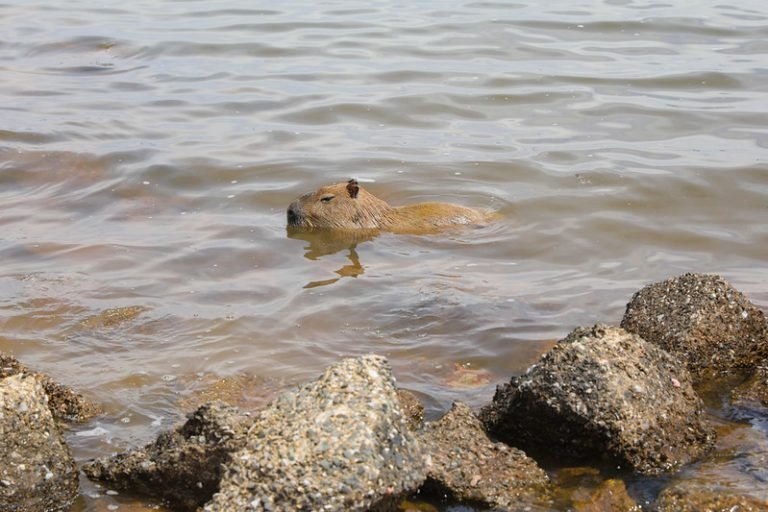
(148, 152)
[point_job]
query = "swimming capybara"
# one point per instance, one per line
(349, 206)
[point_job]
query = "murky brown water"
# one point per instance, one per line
(148, 151)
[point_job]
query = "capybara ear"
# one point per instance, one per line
(353, 188)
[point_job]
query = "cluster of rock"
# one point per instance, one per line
(342, 442)
(352, 441)
(38, 472)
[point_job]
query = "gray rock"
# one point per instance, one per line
(183, 467)
(37, 472)
(470, 467)
(64, 403)
(604, 392)
(712, 327)
(339, 443)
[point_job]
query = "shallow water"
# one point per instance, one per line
(148, 151)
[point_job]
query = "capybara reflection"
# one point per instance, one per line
(349, 206)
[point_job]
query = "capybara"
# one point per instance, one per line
(349, 206)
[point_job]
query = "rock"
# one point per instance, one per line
(183, 467)
(682, 499)
(64, 403)
(409, 506)
(339, 443)
(463, 376)
(245, 391)
(412, 408)
(712, 327)
(611, 495)
(111, 318)
(470, 467)
(585, 489)
(602, 391)
(755, 390)
(37, 472)
(733, 477)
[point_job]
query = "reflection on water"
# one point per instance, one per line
(148, 152)
(324, 242)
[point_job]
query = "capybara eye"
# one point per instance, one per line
(327, 198)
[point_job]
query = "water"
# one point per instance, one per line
(148, 151)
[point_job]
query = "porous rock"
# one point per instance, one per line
(184, 466)
(712, 327)
(696, 499)
(64, 403)
(470, 467)
(602, 391)
(338, 443)
(412, 408)
(37, 472)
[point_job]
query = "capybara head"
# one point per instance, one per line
(341, 206)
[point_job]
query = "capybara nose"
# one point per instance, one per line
(293, 216)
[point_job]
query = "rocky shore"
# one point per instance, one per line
(625, 397)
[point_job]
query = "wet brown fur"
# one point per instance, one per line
(349, 206)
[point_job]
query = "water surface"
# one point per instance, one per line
(148, 151)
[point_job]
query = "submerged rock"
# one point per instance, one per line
(183, 467)
(602, 391)
(37, 472)
(470, 467)
(420, 506)
(702, 319)
(64, 403)
(463, 376)
(110, 318)
(734, 475)
(339, 443)
(611, 495)
(245, 391)
(682, 499)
